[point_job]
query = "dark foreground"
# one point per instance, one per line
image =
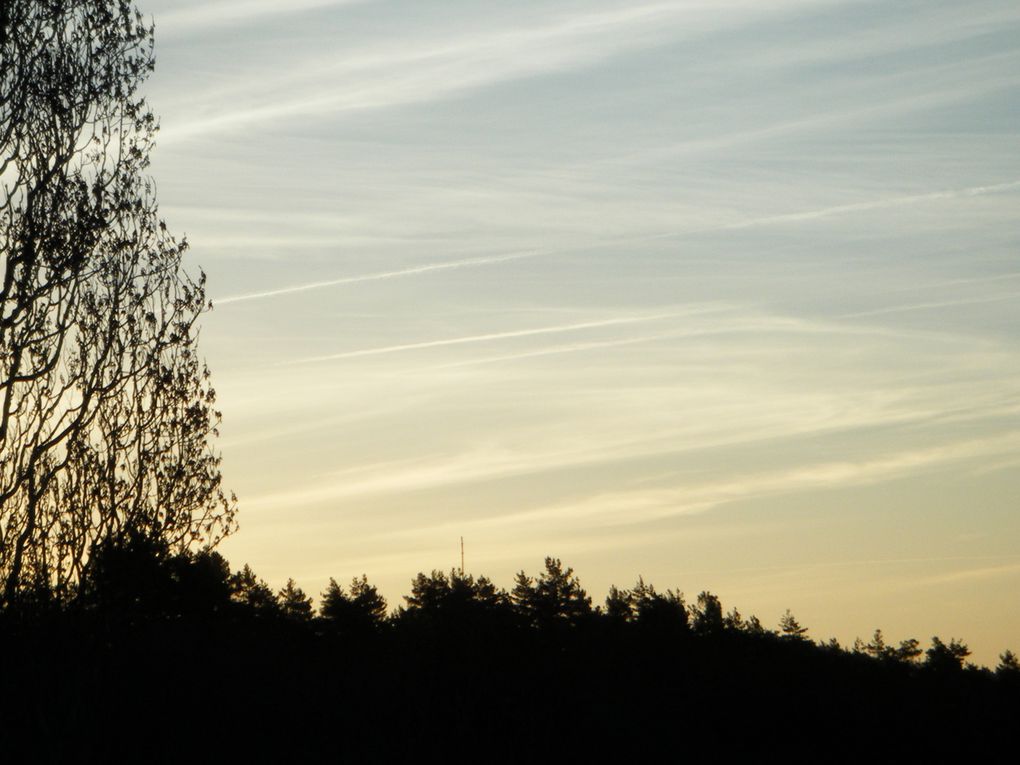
(186, 670)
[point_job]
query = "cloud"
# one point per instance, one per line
(378, 276)
(847, 209)
(877, 204)
(633, 507)
(415, 71)
(558, 349)
(967, 575)
(210, 15)
(482, 338)
(804, 215)
(929, 305)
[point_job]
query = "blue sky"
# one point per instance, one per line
(724, 294)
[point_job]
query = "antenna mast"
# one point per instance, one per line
(462, 556)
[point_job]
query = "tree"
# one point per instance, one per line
(663, 612)
(1009, 665)
(106, 410)
(363, 610)
(456, 600)
(660, 612)
(619, 604)
(707, 614)
(877, 647)
(139, 576)
(943, 657)
(753, 626)
(908, 651)
(555, 597)
(734, 620)
(248, 590)
(790, 627)
(294, 604)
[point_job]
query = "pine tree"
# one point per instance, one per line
(294, 604)
(791, 628)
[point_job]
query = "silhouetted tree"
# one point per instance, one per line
(360, 611)
(791, 628)
(1009, 665)
(619, 605)
(753, 626)
(733, 620)
(253, 593)
(456, 601)
(877, 648)
(127, 576)
(664, 612)
(294, 604)
(555, 597)
(707, 614)
(138, 574)
(106, 411)
(908, 651)
(832, 645)
(943, 657)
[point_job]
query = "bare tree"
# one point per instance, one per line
(106, 411)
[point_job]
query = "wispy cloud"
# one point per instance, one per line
(378, 276)
(414, 71)
(972, 574)
(876, 204)
(489, 336)
(634, 507)
(848, 209)
(209, 15)
(929, 305)
(795, 217)
(559, 349)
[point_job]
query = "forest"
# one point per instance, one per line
(162, 656)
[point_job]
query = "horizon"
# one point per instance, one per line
(720, 295)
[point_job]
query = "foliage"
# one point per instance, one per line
(619, 605)
(453, 666)
(646, 607)
(457, 601)
(707, 614)
(140, 575)
(555, 597)
(908, 651)
(790, 628)
(253, 593)
(294, 604)
(946, 657)
(361, 610)
(106, 410)
(1009, 665)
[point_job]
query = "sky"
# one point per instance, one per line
(723, 294)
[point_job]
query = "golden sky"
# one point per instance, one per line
(720, 294)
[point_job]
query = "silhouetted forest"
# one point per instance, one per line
(160, 656)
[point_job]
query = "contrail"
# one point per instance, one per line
(764, 221)
(558, 349)
(486, 337)
(379, 276)
(828, 212)
(924, 306)
(877, 204)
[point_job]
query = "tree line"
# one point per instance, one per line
(142, 577)
(157, 637)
